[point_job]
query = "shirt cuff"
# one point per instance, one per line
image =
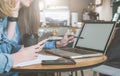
(9, 63)
(50, 45)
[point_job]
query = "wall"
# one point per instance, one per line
(105, 11)
(57, 3)
(78, 6)
(74, 5)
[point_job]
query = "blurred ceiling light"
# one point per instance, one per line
(49, 2)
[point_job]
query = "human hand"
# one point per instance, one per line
(25, 54)
(15, 8)
(65, 40)
(41, 44)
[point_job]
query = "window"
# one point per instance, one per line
(54, 12)
(98, 2)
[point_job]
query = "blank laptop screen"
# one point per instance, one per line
(95, 35)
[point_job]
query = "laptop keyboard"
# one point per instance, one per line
(80, 51)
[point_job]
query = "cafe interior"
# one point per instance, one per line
(58, 17)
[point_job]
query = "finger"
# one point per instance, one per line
(42, 42)
(71, 41)
(66, 35)
(41, 47)
(36, 55)
(16, 5)
(36, 50)
(35, 46)
(71, 38)
(64, 44)
(65, 38)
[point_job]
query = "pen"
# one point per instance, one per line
(73, 35)
(79, 37)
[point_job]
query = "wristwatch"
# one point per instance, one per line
(12, 19)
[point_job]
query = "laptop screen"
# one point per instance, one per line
(95, 35)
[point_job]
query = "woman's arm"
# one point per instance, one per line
(11, 29)
(26, 54)
(7, 61)
(12, 21)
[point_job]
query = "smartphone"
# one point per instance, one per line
(57, 62)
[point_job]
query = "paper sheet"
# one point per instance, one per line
(37, 61)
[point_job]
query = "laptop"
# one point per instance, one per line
(93, 40)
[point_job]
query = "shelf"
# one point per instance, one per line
(115, 1)
(116, 4)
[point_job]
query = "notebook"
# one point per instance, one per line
(93, 40)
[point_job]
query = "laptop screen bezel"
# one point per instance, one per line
(106, 45)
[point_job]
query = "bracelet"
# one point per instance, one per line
(12, 19)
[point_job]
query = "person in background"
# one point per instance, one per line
(13, 14)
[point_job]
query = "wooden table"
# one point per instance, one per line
(83, 63)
